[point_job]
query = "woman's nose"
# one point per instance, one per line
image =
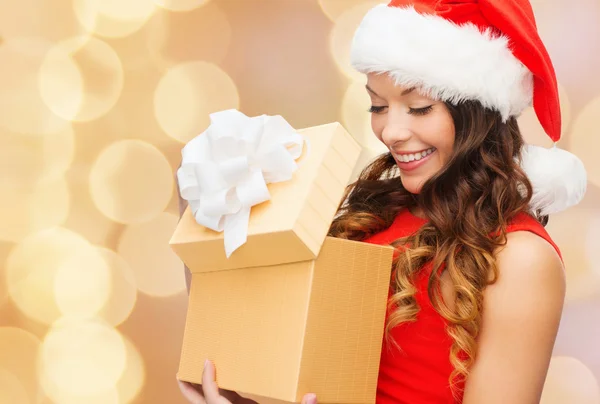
(396, 130)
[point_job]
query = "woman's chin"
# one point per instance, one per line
(412, 185)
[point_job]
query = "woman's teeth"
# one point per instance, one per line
(407, 158)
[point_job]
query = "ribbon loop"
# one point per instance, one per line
(226, 169)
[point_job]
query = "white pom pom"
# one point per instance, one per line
(558, 178)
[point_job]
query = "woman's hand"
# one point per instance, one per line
(209, 392)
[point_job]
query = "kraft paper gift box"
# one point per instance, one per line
(291, 311)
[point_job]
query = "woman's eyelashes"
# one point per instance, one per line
(374, 109)
(420, 111)
(412, 111)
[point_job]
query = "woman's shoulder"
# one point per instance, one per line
(524, 229)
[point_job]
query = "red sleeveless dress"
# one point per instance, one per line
(419, 372)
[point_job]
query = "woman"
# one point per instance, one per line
(478, 285)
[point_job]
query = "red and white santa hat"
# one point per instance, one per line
(484, 50)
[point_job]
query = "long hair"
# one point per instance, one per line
(468, 204)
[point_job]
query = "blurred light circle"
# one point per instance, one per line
(18, 357)
(180, 5)
(123, 289)
(26, 209)
(31, 270)
(570, 381)
(159, 273)
(88, 95)
(33, 158)
(31, 18)
(584, 142)
(83, 358)
(131, 181)
(82, 284)
(532, 130)
(62, 397)
(84, 217)
(11, 389)
(592, 242)
(334, 8)
(134, 376)
(187, 94)
(113, 18)
(356, 117)
(342, 34)
(22, 109)
(582, 281)
(61, 83)
(208, 25)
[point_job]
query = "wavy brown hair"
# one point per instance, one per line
(468, 204)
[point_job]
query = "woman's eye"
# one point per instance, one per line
(375, 109)
(420, 111)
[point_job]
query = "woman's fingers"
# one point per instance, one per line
(309, 399)
(190, 393)
(209, 385)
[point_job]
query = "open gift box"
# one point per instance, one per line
(291, 311)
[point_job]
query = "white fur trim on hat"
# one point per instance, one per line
(448, 62)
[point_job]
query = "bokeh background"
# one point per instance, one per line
(97, 98)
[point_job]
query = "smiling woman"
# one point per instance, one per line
(418, 131)
(452, 196)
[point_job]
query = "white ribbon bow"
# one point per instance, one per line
(225, 170)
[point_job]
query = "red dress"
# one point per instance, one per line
(419, 373)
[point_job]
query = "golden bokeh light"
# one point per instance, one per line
(84, 217)
(31, 271)
(167, 33)
(592, 242)
(334, 8)
(82, 284)
(160, 273)
(532, 130)
(57, 396)
(91, 93)
(134, 375)
(113, 18)
(32, 158)
(131, 181)
(61, 83)
(582, 281)
(356, 119)
(180, 5)
(11, 389)
(26, 209)
(18, 357)
(570, 381)
(584, 142)
(342, 34)
(22, 109)
(30, 18)
(123, 289)
(82, 358)
(188, 93)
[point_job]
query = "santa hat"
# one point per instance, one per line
(483, 50)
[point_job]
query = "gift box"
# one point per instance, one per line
(289, 227)
(289, 311)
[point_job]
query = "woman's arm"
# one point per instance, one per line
(521, 315)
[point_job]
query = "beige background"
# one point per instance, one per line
(96, 101)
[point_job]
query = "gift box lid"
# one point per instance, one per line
(293, 224)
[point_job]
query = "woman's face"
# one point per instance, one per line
(418, 131)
